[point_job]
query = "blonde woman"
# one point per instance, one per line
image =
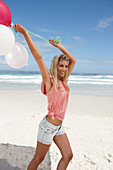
(54, 86)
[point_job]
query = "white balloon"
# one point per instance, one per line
(18, 57)
(7, 40)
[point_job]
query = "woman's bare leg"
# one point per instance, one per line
(39, 156)
(63, 144)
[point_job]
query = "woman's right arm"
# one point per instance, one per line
(37, 55)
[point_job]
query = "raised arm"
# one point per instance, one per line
(72, 59)
(35, 52)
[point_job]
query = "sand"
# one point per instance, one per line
(88, 124)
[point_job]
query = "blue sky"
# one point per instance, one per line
(85, 28)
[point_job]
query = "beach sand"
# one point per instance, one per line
(88, 124)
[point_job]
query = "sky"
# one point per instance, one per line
(84, 26)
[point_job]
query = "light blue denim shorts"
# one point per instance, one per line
(47, 131)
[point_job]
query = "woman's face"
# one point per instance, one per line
(62, 69)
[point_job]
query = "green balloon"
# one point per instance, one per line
(57, 39)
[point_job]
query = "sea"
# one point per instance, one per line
(84, 84)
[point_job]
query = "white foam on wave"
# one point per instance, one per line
(35, 79)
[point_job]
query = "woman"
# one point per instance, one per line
(54, 86)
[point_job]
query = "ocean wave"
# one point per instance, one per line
(19, 77)
(73, 79)
(28, 81)
(96, 83)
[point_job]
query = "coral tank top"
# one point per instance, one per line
(57, 100)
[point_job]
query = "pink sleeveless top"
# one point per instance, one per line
(57, 100)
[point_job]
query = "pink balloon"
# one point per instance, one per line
(18, 57)
(5, 14)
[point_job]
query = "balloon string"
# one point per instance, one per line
(35, 35)
(38, 36)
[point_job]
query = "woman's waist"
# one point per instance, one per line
(54, 121)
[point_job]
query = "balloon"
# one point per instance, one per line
(5, 14)
(57, 39)
(18, 57)
(7, 40)
(13, 30)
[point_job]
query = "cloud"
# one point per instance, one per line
(108, 61)
(77, 38)
(95, 61)
(85, 60)
(49, 31)
(80, 41)
(104, 23)
(44, 47)
(2, 62)
(70, 46)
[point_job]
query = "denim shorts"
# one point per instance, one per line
(47, 131)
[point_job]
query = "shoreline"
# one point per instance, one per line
(71, 92)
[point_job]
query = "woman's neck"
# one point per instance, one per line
(60, 78)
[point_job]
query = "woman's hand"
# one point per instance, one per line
(19, 28)
(58, 45)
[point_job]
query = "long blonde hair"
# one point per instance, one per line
(53, 69)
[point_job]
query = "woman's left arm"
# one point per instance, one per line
(72, 59)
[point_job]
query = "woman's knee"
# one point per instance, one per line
(68, 156)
